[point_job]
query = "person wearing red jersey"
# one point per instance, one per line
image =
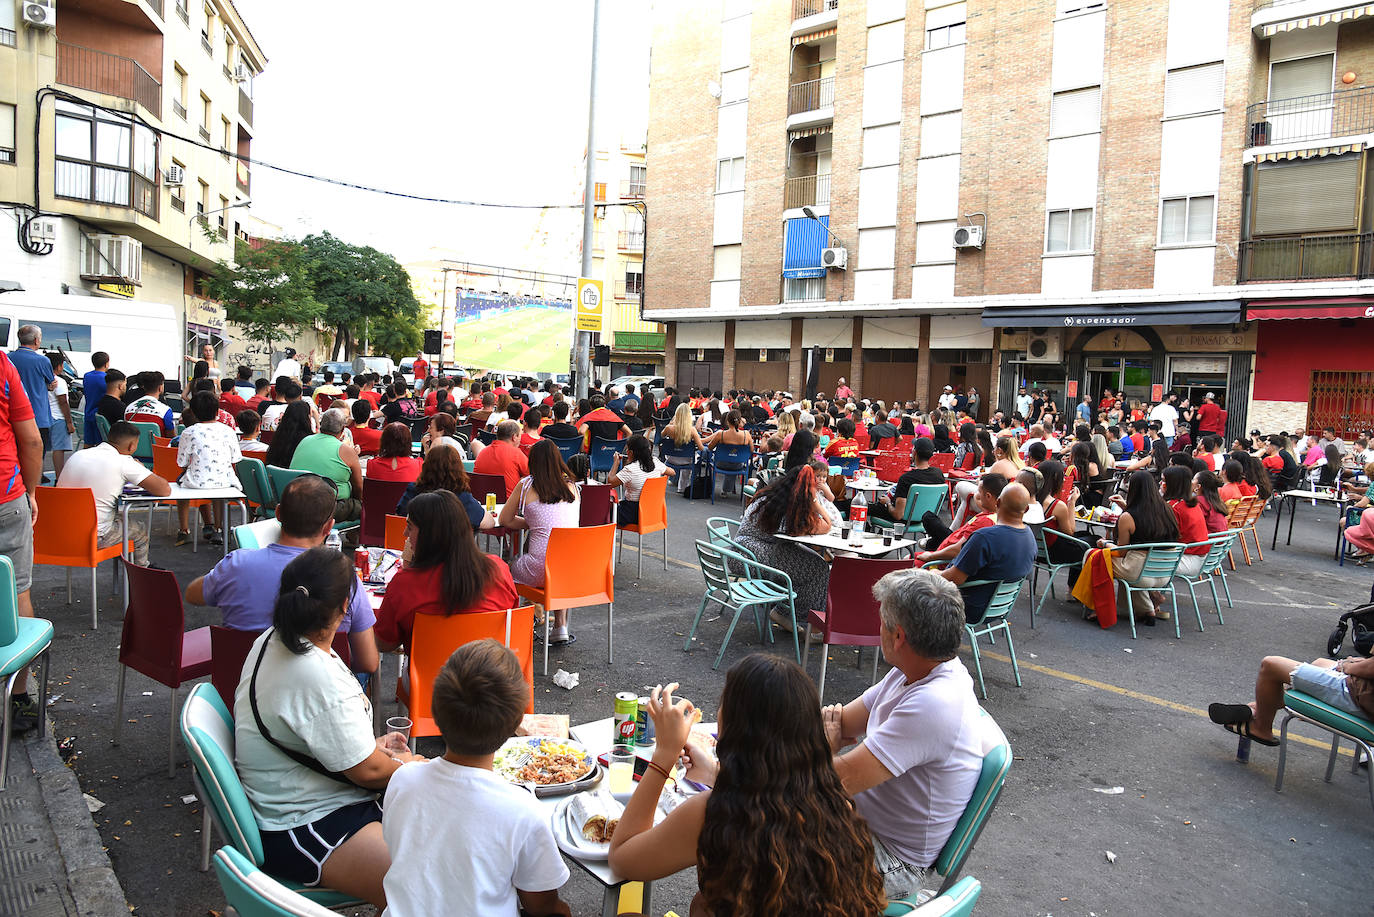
(21, 466)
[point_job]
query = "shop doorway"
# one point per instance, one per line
(1194, 377)
(1343, 400)
(1130, 374)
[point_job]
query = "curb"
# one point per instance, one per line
(90, 879)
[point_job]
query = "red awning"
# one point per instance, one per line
(1346, 307)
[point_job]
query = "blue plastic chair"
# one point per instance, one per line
(22, 640)
(993, 620)
(567, 446)
(758, 588)
(668, 449)
(1218, 546)
(486, 437)
(1043, 562)
(957, 902)
(845, 466)
(602, 453)
(730, 462)
(1352, 517)
(1161, 563)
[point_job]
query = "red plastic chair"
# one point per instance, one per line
(66, 536)
(892, 465)
(597, 506)
(942, 460)
(379, 500)
(479, 485)
(851, 613)
(229, 649)
(155, 643)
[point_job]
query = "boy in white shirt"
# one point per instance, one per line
(462, 840)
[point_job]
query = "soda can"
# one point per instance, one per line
(626, 709)
(491, 503)
(644, 724)
(363, 562)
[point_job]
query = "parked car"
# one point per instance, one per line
(655, 384)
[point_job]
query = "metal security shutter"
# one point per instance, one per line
(1190, 90)
(1077, 112)
(1312, 196)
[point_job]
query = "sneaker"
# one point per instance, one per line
(212, 535)
(183, 538)
(23, 715)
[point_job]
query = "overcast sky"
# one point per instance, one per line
(477, 101)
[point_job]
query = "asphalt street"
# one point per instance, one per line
(1192, 831)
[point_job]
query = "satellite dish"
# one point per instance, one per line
(713, 89)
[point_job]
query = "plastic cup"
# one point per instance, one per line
(620, 772)
(844, 533)
(887, 541)
(399, 724)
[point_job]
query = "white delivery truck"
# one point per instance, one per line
(138, 336)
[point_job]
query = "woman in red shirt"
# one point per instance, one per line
(364, 437)
(446, 574)
(1192, 523)
(394, 461)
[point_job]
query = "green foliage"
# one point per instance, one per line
(268, 290)
(364, 292)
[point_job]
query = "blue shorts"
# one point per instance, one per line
(1325, 685)
(61, 439)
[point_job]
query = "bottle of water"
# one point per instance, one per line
(858, 515)
(335, 541)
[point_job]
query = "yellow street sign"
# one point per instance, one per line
(589, 300)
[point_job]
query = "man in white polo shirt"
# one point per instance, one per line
(105, 469)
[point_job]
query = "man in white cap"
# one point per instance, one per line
(947, 398)
(1210, 418)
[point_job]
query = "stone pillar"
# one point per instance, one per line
(923, 368)
(856, 364)
(670, 354)
(796, 363)
(727, 371)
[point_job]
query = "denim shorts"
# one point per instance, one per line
(900, 879)
(1325, 685)
(60, 438)
(16, 540)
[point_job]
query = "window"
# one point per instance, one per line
(203, 204)
(105, 157)
(1190, 90)
(61, 334)
(179, 84)
(1069, 231)
(1076, 112)
(1305, 76)
(803, 289)
(7, 24)
(599, 192)
(935, 242)
(734, 86)
(229, 48)
(727, 262)
(179, 191)
(634, 281)
(227, 133)
(207, 31)
(1313, 195)
(882, 145)
(638, 176)
(6, 133)
(885, 43)
(944, 36)
(730, 174)
(205, 111)
(1186, 219)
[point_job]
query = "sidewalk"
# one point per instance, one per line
(51, 858)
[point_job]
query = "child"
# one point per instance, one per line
(250, 426)
(208, 451)
(462, 840)
(581, 468)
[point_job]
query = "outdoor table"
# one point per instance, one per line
(143, 498)
(1099, 527)
(1291, 498)
(867, 485)
(872, 544)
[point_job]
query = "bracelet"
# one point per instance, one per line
(660, 768)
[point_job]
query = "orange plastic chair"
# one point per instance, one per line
(1238, 518)
(1252, 519)
(434, 639)
(162, 440)
(66, 536)
(165, 466)
(578, 572)
(395, 538)
(653, 517)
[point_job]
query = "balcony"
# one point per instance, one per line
(204, 133)
(631, 241)
(630, 291)
(110, 74)
(806, 191)
(245, 108)
(1346, 256)
(632, 190)
(803, 8)
(811, 102)
(1342, 113)
(179, 109)
(184, 13)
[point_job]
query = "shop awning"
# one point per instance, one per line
(802, 244)
(1311, 22)
(801, 132)
(817, 35)
(1114, 315)
(1349, 307)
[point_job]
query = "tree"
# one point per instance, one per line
(268, 290)
(363, 291)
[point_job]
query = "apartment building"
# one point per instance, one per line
(138, 109)
(1068, 194)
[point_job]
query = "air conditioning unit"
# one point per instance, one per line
(42, 230)
(968, 237)
(176, 175)
(1044, 345)
(40, 14)
(112, 259)
(242, 74)
(837, 258)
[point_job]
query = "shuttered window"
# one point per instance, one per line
(1316, 195)
(1190, 90)
(1302, 77)
(1077, 112)
(1186, 219)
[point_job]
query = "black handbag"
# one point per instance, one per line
(1361, 623)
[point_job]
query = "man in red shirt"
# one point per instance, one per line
(503, 456)
(845, 446)
(1210, 421)
(229, 399)
(259, 396)
(21, 465)
(368, 391)
(420, 369)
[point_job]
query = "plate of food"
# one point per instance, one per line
(548, 766)
(584, 824)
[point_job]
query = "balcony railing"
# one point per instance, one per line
(7, 37)
(98, 71)
(157, 8)
(205, 44)
(245, 108)
(807, 191)
(1314, 117)
(228, 74)
(632, 189)
(179, 204)
(631, 241)
(184, 13)
(179, 109)
(205, 133)
(803, 8)
(1327, 257)
(812, 95)
(630, 291)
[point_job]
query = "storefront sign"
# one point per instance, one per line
(204, 312)
(1242, 340)
(1157, 392)
(1199, 364)
(830, 354)
(118, 289)
(589, 297)
(1089, 321)
(1073, 389)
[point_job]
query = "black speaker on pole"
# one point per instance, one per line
(602, 356)
(433, 342)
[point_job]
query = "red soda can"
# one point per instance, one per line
(362, 561)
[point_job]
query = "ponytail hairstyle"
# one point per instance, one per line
(639, 449)
(315, 590)
(1209, 492)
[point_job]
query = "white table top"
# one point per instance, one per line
(187, 493)
(1320, 496)
(866, 484)
(872, 545)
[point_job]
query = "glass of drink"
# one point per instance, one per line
(899, 530)
(620, 772)
(844, 533)
(402, 725)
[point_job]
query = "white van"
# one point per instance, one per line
(138, 336)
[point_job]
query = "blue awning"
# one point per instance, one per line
(803, 240)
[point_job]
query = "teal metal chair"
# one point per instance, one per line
(721, 532)
(993, 620)
(256, 486)
(1043, 562)
(920, 499)
(957, 902)
(997, 760)
(144, 450)
(260, 534)
(1335, 721)
(103, 425)
(22, 640)
(250, 892)
(207, 729)
(757, 588)
(1218, 546)
(280, 477)
(1161, 563)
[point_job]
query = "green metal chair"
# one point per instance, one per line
(280, 477)
(993, 620)
(758, 589)
(1219, 545)
(721, 532)
(103, 425)
(920, 499)
(22, 640)
(250, 892)
(1043, 562)
(1161, 563)
(997, 760)
(144, 450)
(957, 902)
(260, 534)
(1335, 721)
(257, 487)
(207, 729)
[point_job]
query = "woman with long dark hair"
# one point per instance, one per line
(941, 439)
(731, 434)
(968, 455)
(1146, 519)
(788, 506)
(1256, 475)
(776, 833)
(1214, 509)
(443, 470)
(320, 824)
(1059, 515)
(394, 461)
(1177, 487)
(639, 465)
(544, 500)
(445, 574)
(1084, 470)
(294, 426)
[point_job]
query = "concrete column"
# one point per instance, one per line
(856, 365)
(727, 372)
(922, 388)
(796, 363)
(670, 354)
(992, 397)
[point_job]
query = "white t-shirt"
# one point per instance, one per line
(311, 704)
(633, 476)
(208, 452)
(928, 735)
(53, 407)
(1052, 445)
(248, 446)
(462, 840)
(272, 416)
(288, 367)
(105, 471)
(1167, 417)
